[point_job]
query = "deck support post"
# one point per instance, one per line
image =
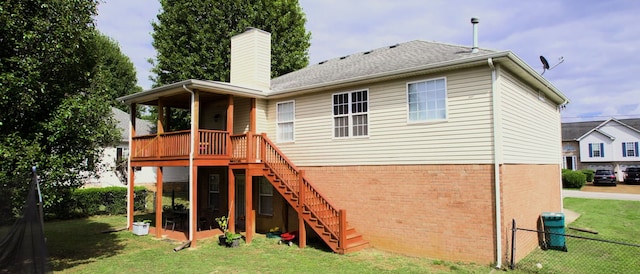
(250, 214)
(231, 222)
(159, 202)
(302, 231)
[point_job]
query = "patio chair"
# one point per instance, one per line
(170, 220)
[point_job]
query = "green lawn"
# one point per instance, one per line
(78, 246)
(617, 221)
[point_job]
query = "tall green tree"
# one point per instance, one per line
(114, 73)
(55, 110)
(192, 38)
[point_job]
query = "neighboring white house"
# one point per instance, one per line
(113, 163)
(612, 144)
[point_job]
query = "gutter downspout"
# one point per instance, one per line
(561, 157)
(191, 153)
(497, 159)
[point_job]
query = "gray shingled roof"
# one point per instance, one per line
(382, 60)
(572, 131)
(143, 127)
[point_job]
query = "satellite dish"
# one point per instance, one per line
(545, 64)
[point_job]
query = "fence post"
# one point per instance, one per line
(512, 264)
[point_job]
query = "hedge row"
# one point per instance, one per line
(86, 202)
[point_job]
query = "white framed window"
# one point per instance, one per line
(630, 149)
(596, 150)
(351, 114)
(265, 197)
(214, 190)
(427, 100)
(285, 116)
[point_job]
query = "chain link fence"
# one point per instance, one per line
(583, 251)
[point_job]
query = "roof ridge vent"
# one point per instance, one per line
(322, 62)
(367, 52)
(394, 46)
(344, 57)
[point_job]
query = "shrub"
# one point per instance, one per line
(573, 179)
(589, 173)
(86, 202)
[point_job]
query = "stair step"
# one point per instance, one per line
(357, 246)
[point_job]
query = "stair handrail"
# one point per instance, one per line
(310, 187)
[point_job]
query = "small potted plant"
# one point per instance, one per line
(229, 238)
(141, 228)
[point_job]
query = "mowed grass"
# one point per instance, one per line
(617, 221)
(78, 246)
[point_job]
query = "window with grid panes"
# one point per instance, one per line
(351, 114)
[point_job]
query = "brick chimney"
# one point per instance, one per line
(251, 59)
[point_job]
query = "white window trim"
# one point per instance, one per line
(446, 102)
(350, 115)
(633, 148)
(293, 122)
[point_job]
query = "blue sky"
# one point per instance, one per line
(599, 40)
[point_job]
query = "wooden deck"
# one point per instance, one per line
(211, 144)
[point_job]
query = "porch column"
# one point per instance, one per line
(252, 116)
(229, 123)
(161, 118)
(231, 201)
(131, 174)
(159, 202)
(249, 216)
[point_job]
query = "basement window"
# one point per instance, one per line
(265, 197)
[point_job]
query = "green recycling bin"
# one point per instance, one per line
(554, 230)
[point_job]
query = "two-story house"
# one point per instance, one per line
(610, 144)
(432, 149)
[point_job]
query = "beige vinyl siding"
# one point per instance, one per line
(465, 137)
(261, 116)
(241, 115)
(251, 59)
(530, 126)
(241, 108)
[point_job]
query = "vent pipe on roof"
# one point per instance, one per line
(475, 22)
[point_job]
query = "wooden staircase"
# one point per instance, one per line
(326, 220)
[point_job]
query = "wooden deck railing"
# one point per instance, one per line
(178, 144)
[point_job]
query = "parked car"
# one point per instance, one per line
(632, 175)
(604, 177)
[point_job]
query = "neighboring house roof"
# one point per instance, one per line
(143, 127)
(398, 57)
(575, 131)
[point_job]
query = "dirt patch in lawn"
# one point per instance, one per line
(620, 188)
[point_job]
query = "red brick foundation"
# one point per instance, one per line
(438, 211)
